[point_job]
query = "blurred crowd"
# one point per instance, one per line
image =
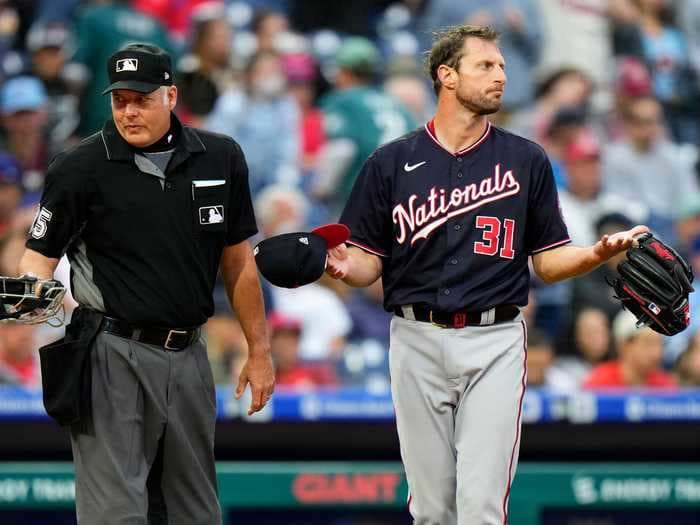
(610, 89)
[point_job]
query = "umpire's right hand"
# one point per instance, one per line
(259, 372)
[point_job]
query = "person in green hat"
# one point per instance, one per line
(102, 28)
(358, 118)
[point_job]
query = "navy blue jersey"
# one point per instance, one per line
(455, 230)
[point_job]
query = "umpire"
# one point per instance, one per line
(147, 211)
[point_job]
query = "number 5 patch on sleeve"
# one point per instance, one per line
(41, 223)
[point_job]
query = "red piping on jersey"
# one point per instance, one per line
(430, 130)
(517, 428)
(366, 248)
(553, 245)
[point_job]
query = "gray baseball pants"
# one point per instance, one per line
(148, 456)
(458, 398)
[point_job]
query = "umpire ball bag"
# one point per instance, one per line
(66, 372)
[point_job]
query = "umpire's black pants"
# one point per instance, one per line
(148, 455)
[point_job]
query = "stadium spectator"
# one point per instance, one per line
(268, 25)
(62, 10)
(349, 18)
(579, 200)
(10, 196)
(280, 209)
(10, 35)
(175, 15)
(101, 29)
(227, 348)
(18, 358)
(301, 73)
(687, 369)
(676, 345)
(206, 72)
(566, 125)
(563, 88)
(539, 357)
(48, 44)
(687, 224)
(576, 34)
(518, 22)
(631, 80)
(583, 200)
(369, 319)
(23, 104)
(688, 16)
(407, 85)
(577, 356)
(530, 309)
(264, 120)
(592, 290)
(647, 167)
(325, 319)
(674, 80)
(626, 38)
(285, 336)
(358, 118)
(638, 364)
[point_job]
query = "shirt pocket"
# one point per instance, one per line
(209, 205)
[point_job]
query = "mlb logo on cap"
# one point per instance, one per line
(139, 67)
(127, 64)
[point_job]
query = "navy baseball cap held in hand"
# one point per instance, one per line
(139, 67)
(291, 260)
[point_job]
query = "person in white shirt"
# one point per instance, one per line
(585, 198)
(644, 166)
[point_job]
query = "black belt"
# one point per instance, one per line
(459, 318)
(174, 339)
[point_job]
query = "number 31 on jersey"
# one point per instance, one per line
(490, 242)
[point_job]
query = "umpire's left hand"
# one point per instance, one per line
(257, 371)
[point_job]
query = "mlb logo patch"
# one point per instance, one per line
(211, 214)
(127, 64)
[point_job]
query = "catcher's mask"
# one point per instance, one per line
(29, 300)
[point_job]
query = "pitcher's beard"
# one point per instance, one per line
(478, 104)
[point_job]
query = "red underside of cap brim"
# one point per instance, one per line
(334, 234)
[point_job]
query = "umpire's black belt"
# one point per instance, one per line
(459, 318)
(174, 339)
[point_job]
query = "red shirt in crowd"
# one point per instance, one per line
(175, 15)
(25, 372)
(307, 376)
(312, 136)
(609, 375)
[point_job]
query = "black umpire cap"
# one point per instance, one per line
(139, 67)
(291, 260)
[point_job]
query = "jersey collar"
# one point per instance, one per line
(430, 130)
